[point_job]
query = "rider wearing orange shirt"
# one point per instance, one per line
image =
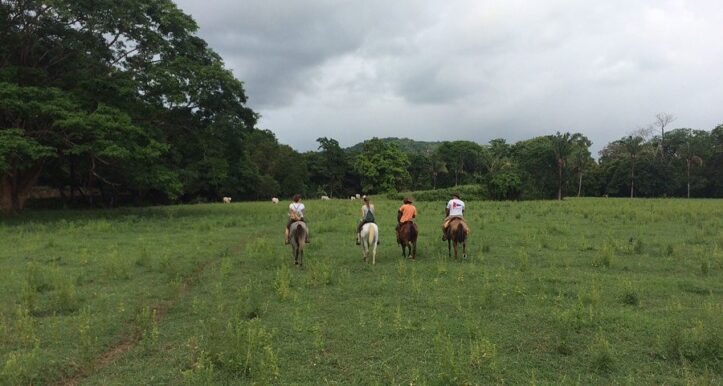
(407, 212)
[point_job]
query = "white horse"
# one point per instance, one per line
(369, 239)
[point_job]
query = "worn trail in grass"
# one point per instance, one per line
(591, 291)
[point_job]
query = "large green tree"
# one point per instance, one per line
(334, 163)
(115, 94)
(382, 167)
(461, 158)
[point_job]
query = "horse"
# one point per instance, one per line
(455, 234)
(297, 239)
(369, 238)
(407, 238)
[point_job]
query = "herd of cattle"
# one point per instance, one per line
(275, 200)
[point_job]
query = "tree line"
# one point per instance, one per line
(120, 102)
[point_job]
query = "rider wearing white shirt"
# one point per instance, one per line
(455, 209)
(296, 213)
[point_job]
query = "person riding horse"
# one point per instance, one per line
(454, 210)
(407, 213)
(296, 213)
(367, 217)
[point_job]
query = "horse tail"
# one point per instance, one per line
(459, 232)
(300, 235)
(372, 234)
(413, 231)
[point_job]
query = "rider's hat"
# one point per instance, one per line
(407, 200)
(455, 194)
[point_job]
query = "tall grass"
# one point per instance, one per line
(580, 291)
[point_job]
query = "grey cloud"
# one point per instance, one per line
(469, 69)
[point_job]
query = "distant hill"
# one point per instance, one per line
(405, 144)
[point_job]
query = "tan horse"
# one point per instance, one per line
(407, 238)
(297, 239)
(455, 235)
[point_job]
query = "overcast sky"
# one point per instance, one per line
(469, 69)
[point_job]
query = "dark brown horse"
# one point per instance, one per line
(297, 237)
(407, 238)
(455, 235)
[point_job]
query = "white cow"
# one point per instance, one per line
(227, 200)
(352, 198)
(324, 197)
(358, 196)
(275, 200)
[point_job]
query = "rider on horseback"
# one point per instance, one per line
(455, 209)
(407, 212)
(296, 213)
(367, 217)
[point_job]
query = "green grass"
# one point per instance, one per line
(581, 291)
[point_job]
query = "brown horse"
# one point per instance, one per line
(456, 235)
(297, 238)
(407, 238)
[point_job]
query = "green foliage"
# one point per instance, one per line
(504, 186)
(382, 167)
(700, 344)
(467, 192)
(243, 348)
(602, 358)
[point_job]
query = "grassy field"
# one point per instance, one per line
(583, 291)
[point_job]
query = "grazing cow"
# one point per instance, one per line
(324, 197)
(227, 200)
(352, 198)
(369, 239)
(275, 200)
(358, 196)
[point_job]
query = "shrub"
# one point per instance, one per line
(604, 258)
(468, 192)
(244, 348)
(23, 367)
(602, 358)
(283, 282)
(629, 295)
(699, 344)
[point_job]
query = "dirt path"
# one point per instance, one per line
(114, 352)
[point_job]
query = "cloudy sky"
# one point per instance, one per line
(469, 69)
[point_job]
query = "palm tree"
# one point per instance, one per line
(580, 161)
(632, 146)
(690, 158)
(437, 166)
(561, 146)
